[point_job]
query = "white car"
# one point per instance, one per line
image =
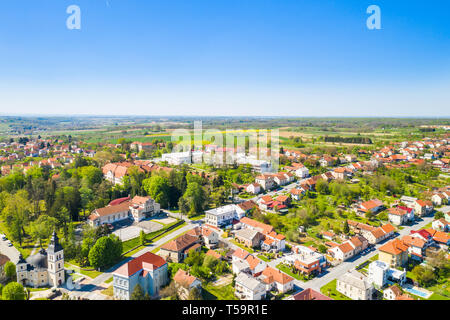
(8, 243)
(3, 237)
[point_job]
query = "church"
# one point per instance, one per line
(43, 269)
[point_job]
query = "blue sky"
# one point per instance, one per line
(233, 57)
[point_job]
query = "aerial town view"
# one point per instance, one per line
(154, 152)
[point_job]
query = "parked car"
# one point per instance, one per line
(8, 243)
(3, 237)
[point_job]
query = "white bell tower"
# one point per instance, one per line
(55, 254)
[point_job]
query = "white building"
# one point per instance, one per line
(380, 272)
(249, 288)
(355, 286)
(302, 172)
(222, 216)
(177, 158)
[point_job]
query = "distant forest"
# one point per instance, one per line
(357, 140)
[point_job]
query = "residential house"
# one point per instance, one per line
(441, 225)
(442, 239)
(392, 293)
(297, 193)
(355, 286)
(329, 235)
(423, 207)
(302, 172)
(249, 237)
(400, 215)
(308, 294)
(178, 249)
(408, 201)
(249, 288)
(306, 260)
(185, 283)
(266, 181)
(149, 270)
(372, 206)
(253, 188)
(342, 252)
(394, 253)
(380, 273)
(275, 280)
(416, 246)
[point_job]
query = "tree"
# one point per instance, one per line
(196, 198)
(142, 237)
(424, 275)
(438, 215)
(17, 214)
(14, 291)
(42, 228)
(346, 227)
(322, 248)
(195, 294)
(105, 252)
(322, 186)
(170, 291)
(91, 175)
(138, 293)
(10, 270)
(158, 188)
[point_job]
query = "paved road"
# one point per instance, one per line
(11, 252)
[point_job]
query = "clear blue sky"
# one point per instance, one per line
(225, 57)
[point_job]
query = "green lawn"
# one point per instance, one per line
(330, 290)
(199, 217)
(211, 292)
(109, 291)
(240, 245)
(109, 280)
(89, 273)
(288, 271)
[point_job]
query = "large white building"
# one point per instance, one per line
(222, 216)
(120, 209)
(186, 157)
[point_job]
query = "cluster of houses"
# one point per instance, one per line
(436, 151)
(255, 278)
(365, 235)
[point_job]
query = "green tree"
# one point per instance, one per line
(142, 237)
(196, 198)
(158, 188)
(14, 291)
(138, 293)
(10, 270)
(195, 294)
(346, 227)
(105, 252)
(42, 228)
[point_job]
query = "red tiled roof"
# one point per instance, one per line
(394, 247)
(148, 260)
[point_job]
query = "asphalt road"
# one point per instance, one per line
(11, 252)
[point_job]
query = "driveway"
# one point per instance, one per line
(11, 252)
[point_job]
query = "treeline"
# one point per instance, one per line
(357, 140)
